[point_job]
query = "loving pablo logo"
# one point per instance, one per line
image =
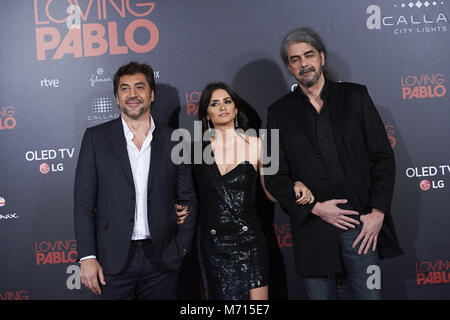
(423, 86)
(7, 118)
(55, 252)
(61, 28)
(432, 272)
(192, 101)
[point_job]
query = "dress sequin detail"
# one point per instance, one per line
(232, 248)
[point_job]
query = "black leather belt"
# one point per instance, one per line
(141, 242)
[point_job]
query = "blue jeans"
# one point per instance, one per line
(355, 267)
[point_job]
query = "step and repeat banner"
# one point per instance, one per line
(58, 58)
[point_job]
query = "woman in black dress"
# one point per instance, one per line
(232, 248)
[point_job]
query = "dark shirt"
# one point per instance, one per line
(326, 148)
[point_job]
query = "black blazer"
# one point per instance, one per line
(368, 164)
(104, 198)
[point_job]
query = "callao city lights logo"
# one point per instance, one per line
(62, 28)
(430, 177)
(404, 18)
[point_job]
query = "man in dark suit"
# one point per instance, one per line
(126, 188)
(332, 138)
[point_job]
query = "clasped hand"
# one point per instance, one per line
(329, 212)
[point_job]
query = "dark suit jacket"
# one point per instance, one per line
(367, 160)
(104, 198)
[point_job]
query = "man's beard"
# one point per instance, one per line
(131, 113)
(309, 83)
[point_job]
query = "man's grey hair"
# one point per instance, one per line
(304, 35)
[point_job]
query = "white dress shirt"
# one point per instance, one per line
(140, 167)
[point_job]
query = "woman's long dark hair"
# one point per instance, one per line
(205, 98)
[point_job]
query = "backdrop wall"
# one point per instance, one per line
(57, 62)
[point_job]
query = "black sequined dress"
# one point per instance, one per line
(232, 247)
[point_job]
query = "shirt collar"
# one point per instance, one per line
(323, 93)
(129, 134)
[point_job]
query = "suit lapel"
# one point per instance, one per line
(335, 103)
(298, 109)
(157, 145)
(119, 144)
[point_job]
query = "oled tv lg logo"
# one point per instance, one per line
(429, 171)
(50, 154)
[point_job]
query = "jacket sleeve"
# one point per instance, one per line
(185, 195)
(279, 183)
(380, 154)
(85, 197)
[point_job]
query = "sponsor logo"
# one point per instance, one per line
(192, 100)
(62, 28)
(99, 78)
(390, 130)
(15, 295)
(434, 176)
(425, 185)
(6, 216)
(54, 83)
(7, 118)
(55, 252)
(432, 272)
(53, 158)
(284, 236)
(423, 86)
(103, 110)
(405, 17)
